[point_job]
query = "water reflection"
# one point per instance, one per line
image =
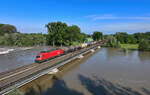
(114, 53)
(104, 87)
(60, 88)
(94, 86)
(144, 57)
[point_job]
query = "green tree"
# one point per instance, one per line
(56, 32)
(144, 45)
(73, 33)
(112, 42)
(6, 28)
(123, 37)
(97, 35)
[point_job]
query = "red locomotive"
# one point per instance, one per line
(46, 55)
(50, 54)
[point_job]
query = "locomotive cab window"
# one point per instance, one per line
(38, 56)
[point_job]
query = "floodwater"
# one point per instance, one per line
(106, 72)
(18, 57)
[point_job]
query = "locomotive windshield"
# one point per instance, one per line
(38, 56)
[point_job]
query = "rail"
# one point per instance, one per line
(6, 88)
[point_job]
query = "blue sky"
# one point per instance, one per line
(107, 16)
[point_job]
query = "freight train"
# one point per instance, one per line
(53, 53)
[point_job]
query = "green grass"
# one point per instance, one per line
(75, 43)
(130, 46)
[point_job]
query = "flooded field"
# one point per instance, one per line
(107, 72)
(17, 57)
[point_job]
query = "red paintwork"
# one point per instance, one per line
(47, 55)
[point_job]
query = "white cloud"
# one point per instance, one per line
(124, 27)
(111, 28)
(111, 17)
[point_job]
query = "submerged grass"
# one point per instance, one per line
(15, 92)
(130, 46)
(76, 43)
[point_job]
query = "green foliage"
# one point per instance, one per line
(73, 33)
(134, 41)
(97, 36)
(122, 37)
(59, 33)
(135, 38)
(17, 39)
(5, 28)
(75, 43)
(56, 32)
(89, 39)
(2, 25)
(144, 45)
(124, 49)
(112, 42)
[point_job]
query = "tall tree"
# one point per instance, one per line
(97, 35)
(144, 45)
(112, 42)
(73, 33)
(56, 31)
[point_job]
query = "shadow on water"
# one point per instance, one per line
(112, 53)
(144, 56)
(94, 86)
(59, 88)
(104, 87)
(53, 85)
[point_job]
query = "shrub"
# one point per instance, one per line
(112, 42)
(144, 45)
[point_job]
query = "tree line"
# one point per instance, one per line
(59, 33)
(22, 39)
(142, 39)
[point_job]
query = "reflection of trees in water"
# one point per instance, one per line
(113, 53)
(144, 56)
(54, 86)
(59, 88)
(118, 54)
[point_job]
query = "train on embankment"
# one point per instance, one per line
(53, 53)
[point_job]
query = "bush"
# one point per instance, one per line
(112, 42)
(144, 45)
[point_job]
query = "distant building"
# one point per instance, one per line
(89, 39)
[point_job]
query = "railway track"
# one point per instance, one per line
(13, 77)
